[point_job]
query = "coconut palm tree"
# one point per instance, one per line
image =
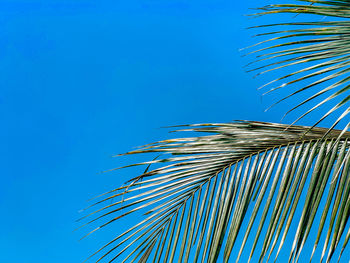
(264, 181)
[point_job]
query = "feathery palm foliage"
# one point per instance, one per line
(321, 50)
(249, 177)
(203, 191)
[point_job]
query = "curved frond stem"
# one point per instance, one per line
(193, 202)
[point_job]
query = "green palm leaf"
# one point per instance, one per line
(192, 204)
(316, 52)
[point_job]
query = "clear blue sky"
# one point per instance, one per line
(82, 80)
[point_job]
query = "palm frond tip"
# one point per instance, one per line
(194, 204)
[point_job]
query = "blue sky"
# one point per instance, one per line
(83, 80)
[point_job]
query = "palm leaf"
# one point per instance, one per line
(316, 54)
(193, 202)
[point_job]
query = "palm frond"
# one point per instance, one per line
(317, 54)
(193, 202)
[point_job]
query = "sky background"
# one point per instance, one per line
(83, 80)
